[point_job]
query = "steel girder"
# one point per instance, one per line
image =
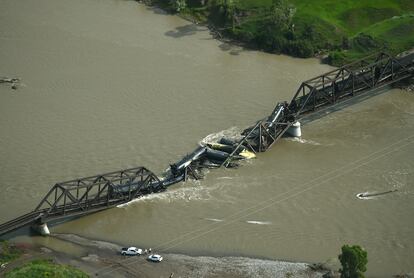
(85, 195)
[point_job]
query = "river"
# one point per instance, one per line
(113, 84)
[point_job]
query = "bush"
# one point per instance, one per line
(44, 268)
(336, 58)
(300, 48)
(244, 35)
(178, 5)
(8, 252)
(365, 43)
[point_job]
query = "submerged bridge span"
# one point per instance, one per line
(87, 195)
(360, 78)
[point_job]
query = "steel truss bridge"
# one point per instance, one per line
(372, 72)
(87, 195)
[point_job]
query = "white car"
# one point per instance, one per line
(131, 251)
(155, 258)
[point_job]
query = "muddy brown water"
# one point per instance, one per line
(113, 84)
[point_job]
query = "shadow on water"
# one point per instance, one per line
(231, 48)
(157, 10)
(24, 231)
(186, 30)
(192, 29)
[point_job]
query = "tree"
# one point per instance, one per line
(228, 9)
(178, 5)
(281, 14)
(353, 260)
(232, 12)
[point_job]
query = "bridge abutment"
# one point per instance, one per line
(41, 228)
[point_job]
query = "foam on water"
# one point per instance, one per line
(193, 193)
(214, 219)
(259, 222)
(303, 141)
(232, 133)
(225, 178)
(397, 178)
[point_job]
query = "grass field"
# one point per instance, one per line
(384, 23)
(352, 16)
(389, 23)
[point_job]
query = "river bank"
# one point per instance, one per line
(339, 33)
(102, 259)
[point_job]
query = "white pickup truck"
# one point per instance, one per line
(131, 251)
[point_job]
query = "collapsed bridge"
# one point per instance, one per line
(87, 195)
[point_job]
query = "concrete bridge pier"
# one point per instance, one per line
(41, 228)
(295, 130)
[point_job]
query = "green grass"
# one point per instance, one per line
(44, 268)
(389, 22)
(253, 4)
(396, 32)
(8, 252)
(351, 15)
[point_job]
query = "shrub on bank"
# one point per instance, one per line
(8, 252)
(45, 268)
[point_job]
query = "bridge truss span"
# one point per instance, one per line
(98, 192)
(372, 72)
(87, 195)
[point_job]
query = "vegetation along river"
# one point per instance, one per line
(111, 84)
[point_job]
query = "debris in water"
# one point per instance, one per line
(13, 81)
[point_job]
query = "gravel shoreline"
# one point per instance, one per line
(102, 259)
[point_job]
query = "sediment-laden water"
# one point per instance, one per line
(114, 84)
